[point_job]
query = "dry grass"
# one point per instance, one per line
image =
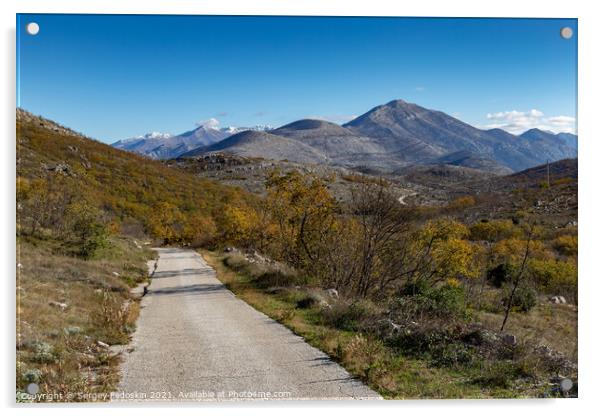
(547, 324)
(65, 307)
(394, 376)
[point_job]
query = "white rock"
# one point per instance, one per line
(60, 305)
(333, 293)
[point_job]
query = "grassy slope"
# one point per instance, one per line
(548, 324)
(58, 345)
(120, 182)
(127, 185)
(392, 375)
(56, 348)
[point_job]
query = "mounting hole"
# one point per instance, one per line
(32, 28)
(566, 32)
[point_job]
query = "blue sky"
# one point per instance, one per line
(113, 77)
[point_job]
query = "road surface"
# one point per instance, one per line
(402, 199)
(196, 341)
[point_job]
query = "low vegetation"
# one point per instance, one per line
(410, 285)
(70, 309)
(438, 301)
(425, 362)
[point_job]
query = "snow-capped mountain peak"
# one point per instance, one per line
(166, 146)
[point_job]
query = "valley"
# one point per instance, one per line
(368, 257)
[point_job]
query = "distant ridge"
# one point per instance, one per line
(386, 138)
(166, 146)
(251, 143)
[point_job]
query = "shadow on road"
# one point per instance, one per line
(181, 272)
(198, 288)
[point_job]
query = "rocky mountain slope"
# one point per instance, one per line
(400, 134)
(420, 135)
(468, 159)
(251, 143)
(167, 146)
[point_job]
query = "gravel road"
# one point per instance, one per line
(196, 341)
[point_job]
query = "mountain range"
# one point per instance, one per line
(388, 137)
(166, 146)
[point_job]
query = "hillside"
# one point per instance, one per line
(405, 272)
(472, 160)
(127, 186)
(342, 146)
(418, 134)
(251, 174)
(396, 135)
(86, 215)
(167, 146)
(266, 145)
(565, 171)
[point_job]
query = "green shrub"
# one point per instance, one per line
(32, 375)
(525, 298)
(91, 235)
(96, 240)
(419, 300)
(503, 374)
(42, 352)
(350, 316)
(453, 355)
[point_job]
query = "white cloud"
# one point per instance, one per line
(212, 123)
(520, 121)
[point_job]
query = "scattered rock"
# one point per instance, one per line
(62, 168)
(333, 293)
(255, 257)
(395, 328)
(60, 305)
(115, 274)
(102, 344)
(556, 359)
(509, 339)
(558, 300)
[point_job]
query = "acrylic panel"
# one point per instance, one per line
(217, 208)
